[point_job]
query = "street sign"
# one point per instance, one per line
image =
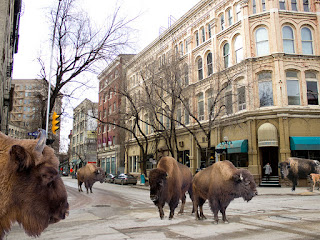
(35, 134)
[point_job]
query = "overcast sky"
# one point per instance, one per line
(34, 31)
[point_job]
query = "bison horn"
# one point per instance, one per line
(42, 141)
(241, 177)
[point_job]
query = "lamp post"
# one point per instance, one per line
(226, 144)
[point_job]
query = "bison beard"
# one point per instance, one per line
(31, 191)
(168, 183)
(220, 184)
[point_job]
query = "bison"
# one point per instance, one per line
(31, 191)
(168, 183)
(88, 175)
(297, 168)
(220, 184)
(314, 179)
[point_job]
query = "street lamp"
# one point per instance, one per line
(226, 144)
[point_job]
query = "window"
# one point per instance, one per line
(254, 7)
(186, 46)
(238, 12)
(228, 100)
(226, 55)
(209, 63)
(186, 112)
(200, 107)
(222, 22)
(181, 49)
(200, 73)
(203, 35)
(288, 40)
(146, 124)
(293, 90)
(262, 42)
(186, 75)
(306, 5)
(306, 37)
(210, 104)
(230, 16)
(197, 38)
(312, 88)
(241, 98)
(209, 30)
(263, 2)
(282, 4)
(265, 89)
(238, 48)
(294, 5)
(179, 113)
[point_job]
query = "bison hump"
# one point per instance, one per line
(226, 169)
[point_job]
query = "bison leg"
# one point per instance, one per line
(173, 204)
(214, 205)
(80, 186)
(190, 191)
(87, 187)
(183, 199)
(201, 202)
(160, 207)
(294, 184)
(223, 212)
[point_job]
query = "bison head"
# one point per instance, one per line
(245, 184)
(158, 183)
(99, 175)
(38, 195)
(284, 169)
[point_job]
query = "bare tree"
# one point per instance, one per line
(80, 48)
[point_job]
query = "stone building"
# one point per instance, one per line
(9, 29)
(110, 138)
(84, 135)
(264, 56)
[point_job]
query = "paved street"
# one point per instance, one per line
(126, 212)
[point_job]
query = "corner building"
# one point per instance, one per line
(271, 51)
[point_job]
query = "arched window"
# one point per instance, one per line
(288, 39)
(238, 12)
(238, 48)
(312, 88)
(265, 89)
(222, 23)
(196, 35)
(203, 35)
(293, 89)
(200, 72)
(262, 42)
(200, 107)
(186, 74)
(209, 63)
(226, 55)
(307, 42)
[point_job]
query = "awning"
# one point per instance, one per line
(75, 161)
(238, 146)
(267, 135)
(304, 143)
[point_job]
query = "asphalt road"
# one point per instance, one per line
(126, 212)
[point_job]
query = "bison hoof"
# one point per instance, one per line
(215, 222)
(226, 221)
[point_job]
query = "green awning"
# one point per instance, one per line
(238, 146)
(305, 143)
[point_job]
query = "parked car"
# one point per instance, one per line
(109, 178)
(65, 173)
(125, 179)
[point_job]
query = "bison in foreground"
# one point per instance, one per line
(88, 175)
(220, 184)
(168, 183)
(31, 190)
(297, 168)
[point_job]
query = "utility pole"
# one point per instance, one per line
(50, 70)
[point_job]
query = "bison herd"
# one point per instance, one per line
(33, 194)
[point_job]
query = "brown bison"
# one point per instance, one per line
(314, 179)
(31, 190)
(88, 175)
(220, 184)
(168, 183)
(298, 168)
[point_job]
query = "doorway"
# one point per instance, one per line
(269, 155)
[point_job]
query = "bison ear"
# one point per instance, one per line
(97, 171)
(48, 174)
(19, 155)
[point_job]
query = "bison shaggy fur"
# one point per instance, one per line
(89, 174)
(168, 184)
(220, 184)
(31, 190)
(298, 168)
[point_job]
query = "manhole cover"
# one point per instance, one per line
(101, 205)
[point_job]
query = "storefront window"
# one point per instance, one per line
(239, 159)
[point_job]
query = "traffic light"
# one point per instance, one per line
(55, 122)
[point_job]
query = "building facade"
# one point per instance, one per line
(84, 135)
(263, 59)
(9, 28)
(110, 138)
